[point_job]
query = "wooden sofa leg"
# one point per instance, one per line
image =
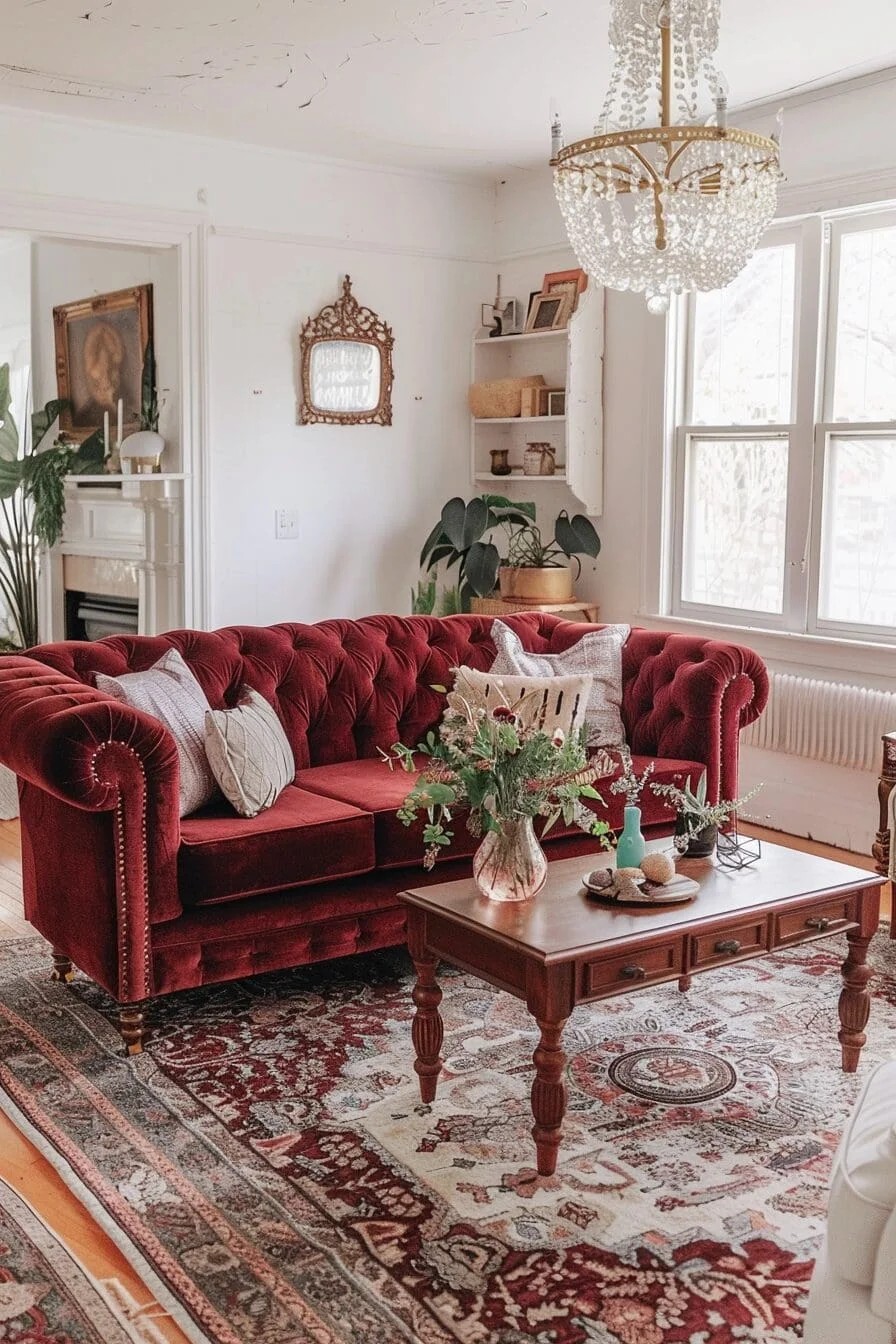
(131, 1026)
(63, 970)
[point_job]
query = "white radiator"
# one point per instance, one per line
(825, 721)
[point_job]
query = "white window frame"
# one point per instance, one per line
(818, 241)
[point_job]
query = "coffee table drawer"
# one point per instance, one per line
(793, 926)
(640, 967)
(730, 944)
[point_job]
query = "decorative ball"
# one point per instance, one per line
(658, 868)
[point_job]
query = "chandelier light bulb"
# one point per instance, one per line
(659, 200)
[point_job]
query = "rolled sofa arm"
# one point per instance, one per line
(688, 697)
(95, 754)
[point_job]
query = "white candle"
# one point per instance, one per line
(120, 423)
(106, 433)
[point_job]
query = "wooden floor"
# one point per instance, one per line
(23, 1166)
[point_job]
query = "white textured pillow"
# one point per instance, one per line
(598, 653)
(549, 703)
(170, 693)
(249, 753)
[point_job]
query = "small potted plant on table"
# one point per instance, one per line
(697, 822)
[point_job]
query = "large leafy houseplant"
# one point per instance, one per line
(465, 536)
(32, 504)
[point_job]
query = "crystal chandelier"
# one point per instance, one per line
(668, 208)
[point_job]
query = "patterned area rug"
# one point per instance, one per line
(269, 1160)
(46, 1297)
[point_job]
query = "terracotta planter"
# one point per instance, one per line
(536, 585)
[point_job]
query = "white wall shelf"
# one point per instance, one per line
(520, 419)
(519, 475)
(521, 336)
(570, 360)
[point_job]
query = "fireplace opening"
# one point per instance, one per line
(96, 615)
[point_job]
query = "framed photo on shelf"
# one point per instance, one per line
(556, 281)
(556, 401)
(549, 312)
(544, 399)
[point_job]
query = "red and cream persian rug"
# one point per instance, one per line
(267, 1165)
(46, 1294)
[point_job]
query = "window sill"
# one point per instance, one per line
(840, 659)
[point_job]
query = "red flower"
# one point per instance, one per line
(503, 714)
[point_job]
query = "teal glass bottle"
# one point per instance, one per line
(631, 845)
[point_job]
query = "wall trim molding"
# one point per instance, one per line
(324, 243)
(137, 131)
(79, 220)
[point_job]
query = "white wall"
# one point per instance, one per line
(367, 495)
(837, 151)
(282, 230)
(63, 271)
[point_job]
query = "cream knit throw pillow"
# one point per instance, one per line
(547, 702)
(598, 654)
(249, 753)
(170, 693)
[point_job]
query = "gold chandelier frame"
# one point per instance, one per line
(674, 139)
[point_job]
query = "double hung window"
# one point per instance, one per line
(784, 459)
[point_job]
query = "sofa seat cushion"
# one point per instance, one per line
(863, 1183)
(304, 838)
(370, 785)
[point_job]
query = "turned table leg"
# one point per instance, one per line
(548, 1095)
(63, 970)
(855, 1000)
(132, 1028)
(427, 1030)
(684, 983)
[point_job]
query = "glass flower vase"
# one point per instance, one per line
(510, 865)
(631, 845)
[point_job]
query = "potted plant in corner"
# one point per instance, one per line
(32, 504)
(464, 536)
(697, 822)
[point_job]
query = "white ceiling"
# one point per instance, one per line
(446, 84)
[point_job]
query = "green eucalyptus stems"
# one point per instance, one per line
(501, 768)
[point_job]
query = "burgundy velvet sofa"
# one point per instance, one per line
(145, 903)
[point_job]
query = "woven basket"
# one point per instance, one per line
(501, 397)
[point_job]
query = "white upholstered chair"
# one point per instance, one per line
(853, 1292)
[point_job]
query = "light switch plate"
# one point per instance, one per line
(286, 524)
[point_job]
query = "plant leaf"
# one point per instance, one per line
(576, 536)
(481, 568)
(10, 476)
(435, 536)
(9, 438)
(42, 420)
(524, 510)
(90, 455)
(464, 523)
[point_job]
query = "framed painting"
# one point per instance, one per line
(100, 346)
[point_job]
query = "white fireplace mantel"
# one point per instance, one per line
(122, 535)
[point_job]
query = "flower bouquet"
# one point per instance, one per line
(507, 769)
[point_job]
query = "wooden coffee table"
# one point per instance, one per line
(561, 949)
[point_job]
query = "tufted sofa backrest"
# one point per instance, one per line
(342, 688)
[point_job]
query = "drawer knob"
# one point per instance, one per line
(633, 972)
(818, 922)
(729, 945)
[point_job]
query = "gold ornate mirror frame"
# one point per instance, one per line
(347, 321)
